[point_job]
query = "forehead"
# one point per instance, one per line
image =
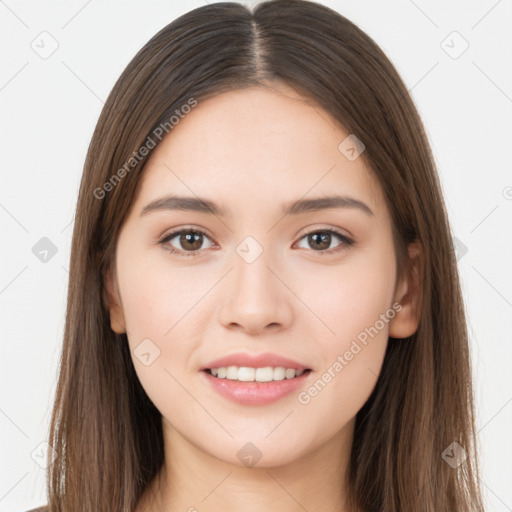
(256, 146)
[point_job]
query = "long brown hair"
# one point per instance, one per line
(106, 431)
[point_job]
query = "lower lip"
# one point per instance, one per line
(255, 393)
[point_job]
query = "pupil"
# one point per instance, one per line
(189, 239)
(324, 237)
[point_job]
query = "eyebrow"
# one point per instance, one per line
(300, 206)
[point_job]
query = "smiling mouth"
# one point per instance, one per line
(249, 374)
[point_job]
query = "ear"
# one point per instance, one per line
(113, 302)
(408, 295)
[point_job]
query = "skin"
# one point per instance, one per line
(253, 151)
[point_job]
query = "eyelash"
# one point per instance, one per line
(167, 237)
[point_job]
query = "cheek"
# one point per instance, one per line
(165, 307)
(159, 299)
(158, 304)
(350, 297)
(352, 361)
(353, 302)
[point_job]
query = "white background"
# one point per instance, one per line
(50, 107)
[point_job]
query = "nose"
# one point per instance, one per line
(258, 298)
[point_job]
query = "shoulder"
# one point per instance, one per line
(38, 509)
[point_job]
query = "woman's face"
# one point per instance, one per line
(254, 278)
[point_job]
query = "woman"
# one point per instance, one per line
(264, 311)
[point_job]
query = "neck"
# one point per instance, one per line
(194, 481)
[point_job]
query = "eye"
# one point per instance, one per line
(190, 240)
(321, 239)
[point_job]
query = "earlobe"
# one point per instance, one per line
(113, 303)
(408, 295)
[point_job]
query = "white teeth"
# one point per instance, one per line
(232, 373)
(264, 374)
(289, 374)
(247, 374)
(279, 373)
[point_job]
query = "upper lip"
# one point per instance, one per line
(254, 361)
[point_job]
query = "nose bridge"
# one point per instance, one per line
(252, 275)
(256, 298)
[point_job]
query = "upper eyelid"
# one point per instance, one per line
(185, 229)
(337, 230)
